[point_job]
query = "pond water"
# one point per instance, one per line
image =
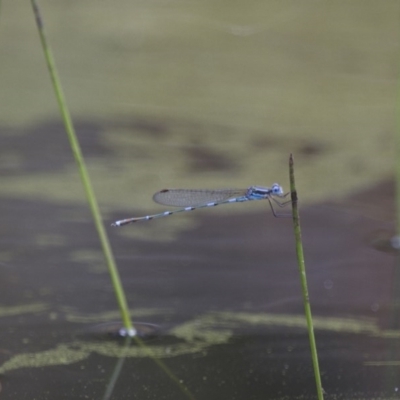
(200, 95)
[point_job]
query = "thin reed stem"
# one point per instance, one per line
(90, 196)
(303, 279)
(397, 160)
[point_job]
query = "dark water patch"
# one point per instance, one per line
(299, 147)
(44, 147)
(255, 364)
(204, 159)
(233, 321)
(156, 128)
(376, 203)
(312, 148)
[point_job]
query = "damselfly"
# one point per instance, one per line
(192, 199)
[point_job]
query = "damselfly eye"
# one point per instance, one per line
(276, 189)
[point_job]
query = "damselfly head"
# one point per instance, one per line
(277, 190)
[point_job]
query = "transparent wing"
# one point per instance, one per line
(193, 197)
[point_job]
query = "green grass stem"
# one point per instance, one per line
(303, 279)
(397, 160)
(91, 198)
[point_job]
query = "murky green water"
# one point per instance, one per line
(200, 94)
